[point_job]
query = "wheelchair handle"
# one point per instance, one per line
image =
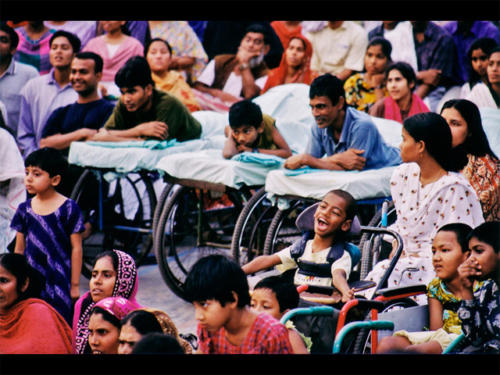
(384, 214)
(314, 310)
(377, 325)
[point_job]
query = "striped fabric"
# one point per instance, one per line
(34, 52)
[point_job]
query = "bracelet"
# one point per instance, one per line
(243, 66)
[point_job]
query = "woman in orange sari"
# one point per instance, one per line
(294, 65)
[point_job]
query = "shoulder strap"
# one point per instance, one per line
(299, 246)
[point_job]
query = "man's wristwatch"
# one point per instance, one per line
(244, 66)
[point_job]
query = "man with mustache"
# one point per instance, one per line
(349, 138)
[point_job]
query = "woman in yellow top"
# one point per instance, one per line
(362, 90)
(158, 53)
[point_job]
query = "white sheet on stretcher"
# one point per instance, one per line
(374, 183)
(210, 166)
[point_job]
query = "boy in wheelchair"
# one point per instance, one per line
(322, 258)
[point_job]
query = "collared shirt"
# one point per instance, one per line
(11, 83)
(479, 29)
(358, 131)
(437, 51)
(337, 49)
(39, 98)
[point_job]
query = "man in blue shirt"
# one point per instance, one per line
(348, 137)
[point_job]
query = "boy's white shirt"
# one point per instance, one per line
(287, 262)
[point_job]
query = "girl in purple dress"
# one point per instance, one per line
(49, 227)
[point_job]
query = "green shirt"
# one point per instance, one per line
(166, 108)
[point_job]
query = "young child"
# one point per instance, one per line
(249, 130)
(49, 227)
(275, 296)
(323, 260)
(480, 310)
(445, 292)
(218, 289)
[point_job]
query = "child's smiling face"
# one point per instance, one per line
(264, 300)
(330, 216)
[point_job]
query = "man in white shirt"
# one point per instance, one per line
(241, 76)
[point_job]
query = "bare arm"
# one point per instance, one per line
(283, 148)
(260, 263)
(61, 141)
(344, 74)
(224, 96)
(230, 148)
(297, 343)
(339, 281)
(250, 89)
(429, 80)
(302, 160)
(20, 243)
(435, 314)
(181, 62)
(76, 264)
(156, 129)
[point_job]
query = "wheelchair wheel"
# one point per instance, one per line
(282, 231)
(370, 243)
(166, 192)
(251, 228)
(186, 232)
(121, 218)
(363, 342)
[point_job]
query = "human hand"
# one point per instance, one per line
(351, 159)
(243, 148)
(156, 129)
(348, 295)
(468, 271)
(226, 97)
(74, 292)
(86, 134)
(431, 76)
(294, 162)
(100, 135)
(378, 79)
(245, 55)
(103, 89)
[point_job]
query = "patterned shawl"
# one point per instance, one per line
(125, 286)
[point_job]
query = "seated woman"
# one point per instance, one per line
(114, 274)
(28, 325)
(294, 65)
(400, 80)
(483, 168)
(104, 323)
(488, 94)
(159, 53)
(478, 56)
(115, 48)
(362, 90)
(428, 193)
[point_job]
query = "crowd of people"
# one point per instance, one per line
(116, 81)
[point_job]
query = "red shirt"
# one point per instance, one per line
(266, 336)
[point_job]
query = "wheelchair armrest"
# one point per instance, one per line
(406, 290)
(450, 348)
(314, 310)
(377, 325)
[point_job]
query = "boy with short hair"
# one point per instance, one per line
(218, 289)
(324, 259)
(249, 130)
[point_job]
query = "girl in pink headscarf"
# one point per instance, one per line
(114, 274)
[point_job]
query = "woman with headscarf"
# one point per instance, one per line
(114, 274)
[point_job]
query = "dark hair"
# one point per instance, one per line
(107, 316)
(286, 293)
(72, 39)
(19, 267)
(108, 253)
(434, 131)
(48, 159)
(143, 321)
(98, 63)
(485, 45)
(245, 112)
(461, 232)
(157, 343)
(384, 44)
(476, 142)
(327, 85)
(257, 28)
(488, 232)
(14, 38)
(148, 45)
(494, 50)
(351, 206)
(135, 72)
(216, 277)
(406, 71)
